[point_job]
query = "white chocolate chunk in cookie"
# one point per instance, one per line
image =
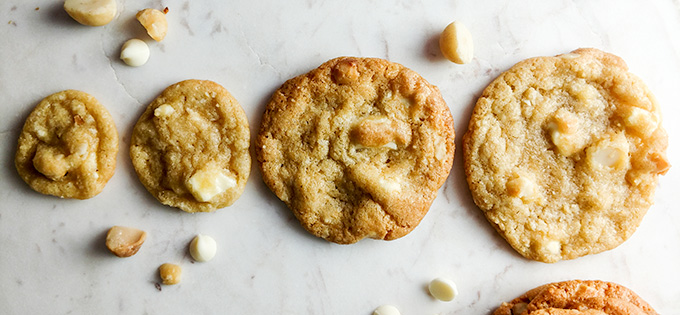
(381, 132)
(553, 247)
(208, 183)
(610, 152)
(563, 131)
(639, 120)
(391, 185)
(164, 110)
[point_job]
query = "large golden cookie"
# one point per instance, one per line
(356, 148)
(563, 153)
(190, 147)
(68, 146)
(577, 297)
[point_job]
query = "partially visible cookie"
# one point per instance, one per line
(563, 154)
(68, 146)
(356, 148)
(577, 297)
(190, 147)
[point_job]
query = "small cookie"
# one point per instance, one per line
(586, 297)
(190, 147)
(356, 148)
(563, 153)
(68, 146)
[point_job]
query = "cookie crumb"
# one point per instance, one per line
(165, 11)
(158, 286)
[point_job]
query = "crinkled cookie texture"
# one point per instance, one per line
(356, 148)
(68, 146)
(577, 297)
(563, 153)
(190, 147)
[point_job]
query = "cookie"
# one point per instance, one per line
(563, 153)
(586, 297)
(190, 147)
(356, 148)
(67, 147)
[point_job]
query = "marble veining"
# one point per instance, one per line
(53, 256)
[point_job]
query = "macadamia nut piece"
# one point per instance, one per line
(456, 44)
(154, 22)
(91, 12)
(124, 241)
(170, 273)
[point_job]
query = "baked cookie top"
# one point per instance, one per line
(563, 153)
(356, 148)
(67, 147)
(190, 147)
(577, 297)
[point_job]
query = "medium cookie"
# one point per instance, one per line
(587, 297)
(356, 148)
(563, 153)
(68, 146)
(190, 147)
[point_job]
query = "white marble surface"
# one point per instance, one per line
(53, 259)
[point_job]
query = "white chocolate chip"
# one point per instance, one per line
(164, 110)
(607, 156)
(386, 310)
(390, 145)
(553, 247)
(91, 12)
(390, 185)
(203, 248)
(443, 289)
(208, 183)
(124, 241)
(135, 52)
(50, 162)
(455, 42)
(562, 129)
(154, 22)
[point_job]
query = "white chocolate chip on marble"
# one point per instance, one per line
(124, 241)
(386, 310)
(91, 12)
(443, 289)
(135, 52)
(154, 22)
(207, 183)
(203, 248)
(456, 44)
(170, 273)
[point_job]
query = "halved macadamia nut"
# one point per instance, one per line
(154, 22)
(124, 241)
(91, 12)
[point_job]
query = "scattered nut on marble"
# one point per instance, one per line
(154, 22)
(456, 44)
(386, 310)
(203, 248)
(170, 273)
(124, 241)
(443, 289)
(91, 12)
(135, 52)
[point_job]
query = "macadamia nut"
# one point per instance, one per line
(91, 12)
(135, 52)
(456, 44)
(154, 22)
(170, 273)
(124, 241)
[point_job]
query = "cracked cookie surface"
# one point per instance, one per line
(356, 148)
(563, 153)
(68, 145)
(577, 297)
(190, 147)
